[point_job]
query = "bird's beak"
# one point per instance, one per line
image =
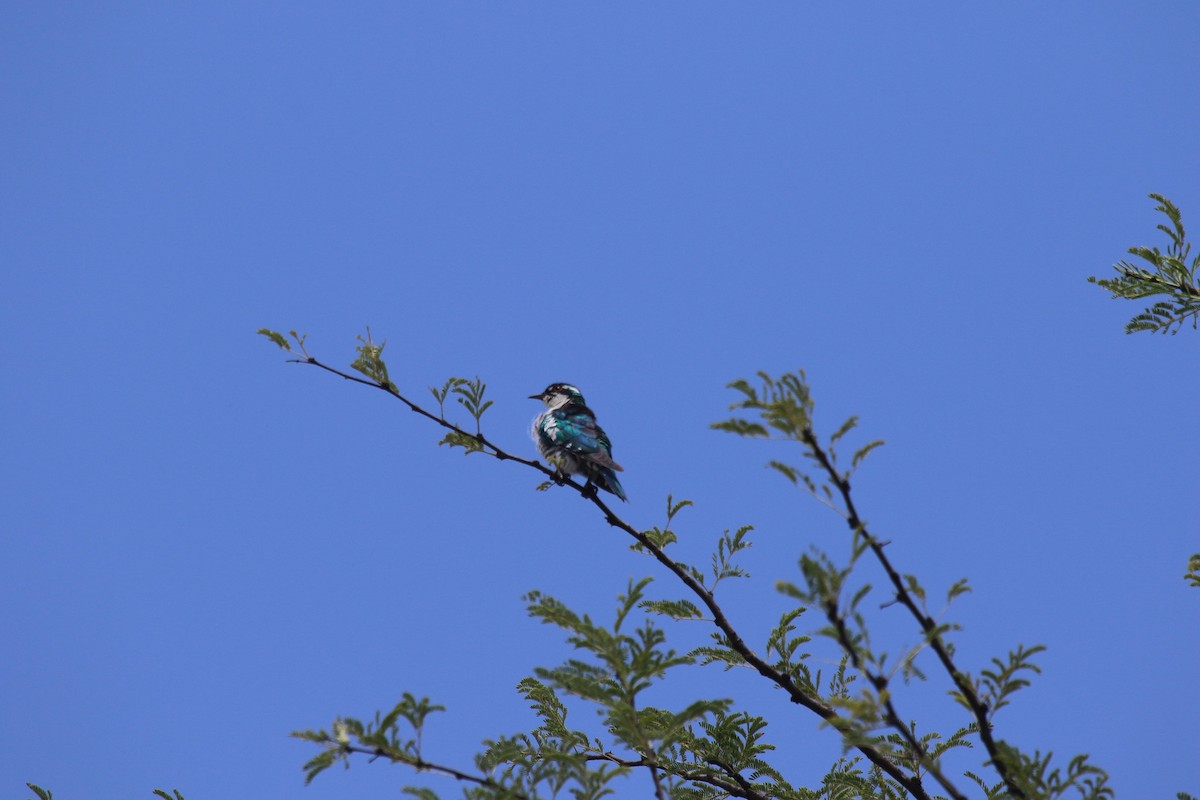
(535, 397)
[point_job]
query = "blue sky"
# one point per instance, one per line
(205, 548)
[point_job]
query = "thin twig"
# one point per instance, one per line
(421, 765)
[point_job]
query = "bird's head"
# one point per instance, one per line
(557, 395)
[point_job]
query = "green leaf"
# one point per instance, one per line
(959, 587)
(791, 590)
(319, 763)
(858, 596)
(914, 587)
(740, 427)
(420, 792)
(1170, 275)
(674, 508)
(657, 537)
(43, 794)
(470, 396)
(675, 609)
(370, 360)
(847, 426)
(997, 685)
(1192, 576)
(745, 388)
(441, 394)
(546, 704)
(723, 655)
(276, 337)
(412, 710)
(788, 471)
(863, 451)
(464, 440)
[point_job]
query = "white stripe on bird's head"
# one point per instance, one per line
(557, 395)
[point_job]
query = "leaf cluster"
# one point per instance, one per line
(1038, 778)
(381, 737)
(282, 342)
(707, 748)
(865, 694)
(700, 750)
(469, 395)
(1192, 576)
(998, 683)
(1167, 274)
(46, 794)
(370, 361)
(784, 408)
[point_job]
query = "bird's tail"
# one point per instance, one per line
(607, 480)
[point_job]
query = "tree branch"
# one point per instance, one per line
(421, 765)
(965, 688)
(891, 715)
(911, 783)
(737, 786)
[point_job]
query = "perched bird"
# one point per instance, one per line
(568, 437)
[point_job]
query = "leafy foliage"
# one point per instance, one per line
(708, 748)
(370, 361)
(1192, 576)
(383, 736)
(451, 385)
(996, 685)
(281, 341)
(46, 794)
(1168, 274)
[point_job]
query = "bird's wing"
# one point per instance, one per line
(578, 432)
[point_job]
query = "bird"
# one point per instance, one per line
(568, 437)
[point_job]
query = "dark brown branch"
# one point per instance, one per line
(745, 785)
(421, 765)
(737, 786)
(928, 626)
(1137, 273)
(826, 712)
(880, 684)
(494, 451)
(911, 783)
